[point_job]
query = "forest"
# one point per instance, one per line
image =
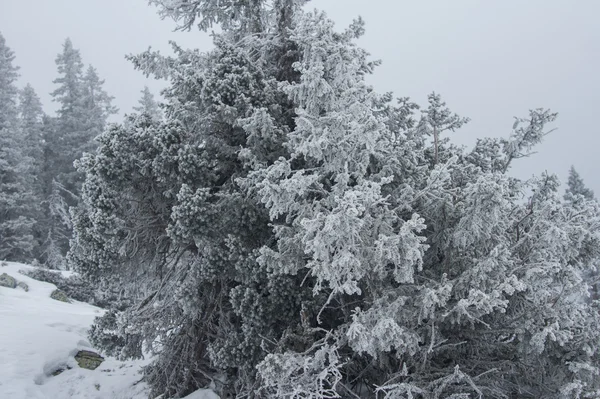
(270, 226)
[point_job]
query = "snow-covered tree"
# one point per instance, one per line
(576, 187)
(31, 118)
(69, 91)
(286, 231)
(97, 104)
(84, 109)
(578, 195)
(436, 119)
(16, 239)
(186, 202)
(148, 105)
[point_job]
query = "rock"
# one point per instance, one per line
(88, 360)
(23, 286)
(60, 370)
(60, 296)
(7, 281)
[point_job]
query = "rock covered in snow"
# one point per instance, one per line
(7, 281)
(88, 359)
(60, 296)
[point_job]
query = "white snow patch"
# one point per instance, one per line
(202, 394)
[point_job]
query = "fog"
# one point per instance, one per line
(489, 60)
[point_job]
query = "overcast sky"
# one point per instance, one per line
(490, 60)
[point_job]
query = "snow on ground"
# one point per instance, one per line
(202, 394)
(39, 334)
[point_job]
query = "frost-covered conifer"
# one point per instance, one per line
(31, 119)
(97, 107)
(161, 202)
(286, 231)
(576, 187)
(436, 119)
(148, 105)
(579, 195)
(31, 115)
(84, 109)
(16, 197)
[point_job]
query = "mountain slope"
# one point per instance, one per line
(39, 335)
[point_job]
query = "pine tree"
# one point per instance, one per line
(16, 239)
(148, 105)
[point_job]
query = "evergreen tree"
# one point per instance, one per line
(69, 91)
(578, 194)
(32, 125)
(84, 109)
(576, 187)
(16, 239)
(288, 232)
(83, 113)
(97, 105)
(148, 105)
(436, 119)
(32, 116)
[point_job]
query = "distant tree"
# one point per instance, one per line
(32, 125)
(32, 121)
(576, 187)
(148, 105)
(84, 109)
(97, 106)
(436, 119)
(69, 91)
(16, 238)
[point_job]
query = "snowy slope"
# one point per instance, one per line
(38, 334)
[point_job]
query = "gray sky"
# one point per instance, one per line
(490, 60)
